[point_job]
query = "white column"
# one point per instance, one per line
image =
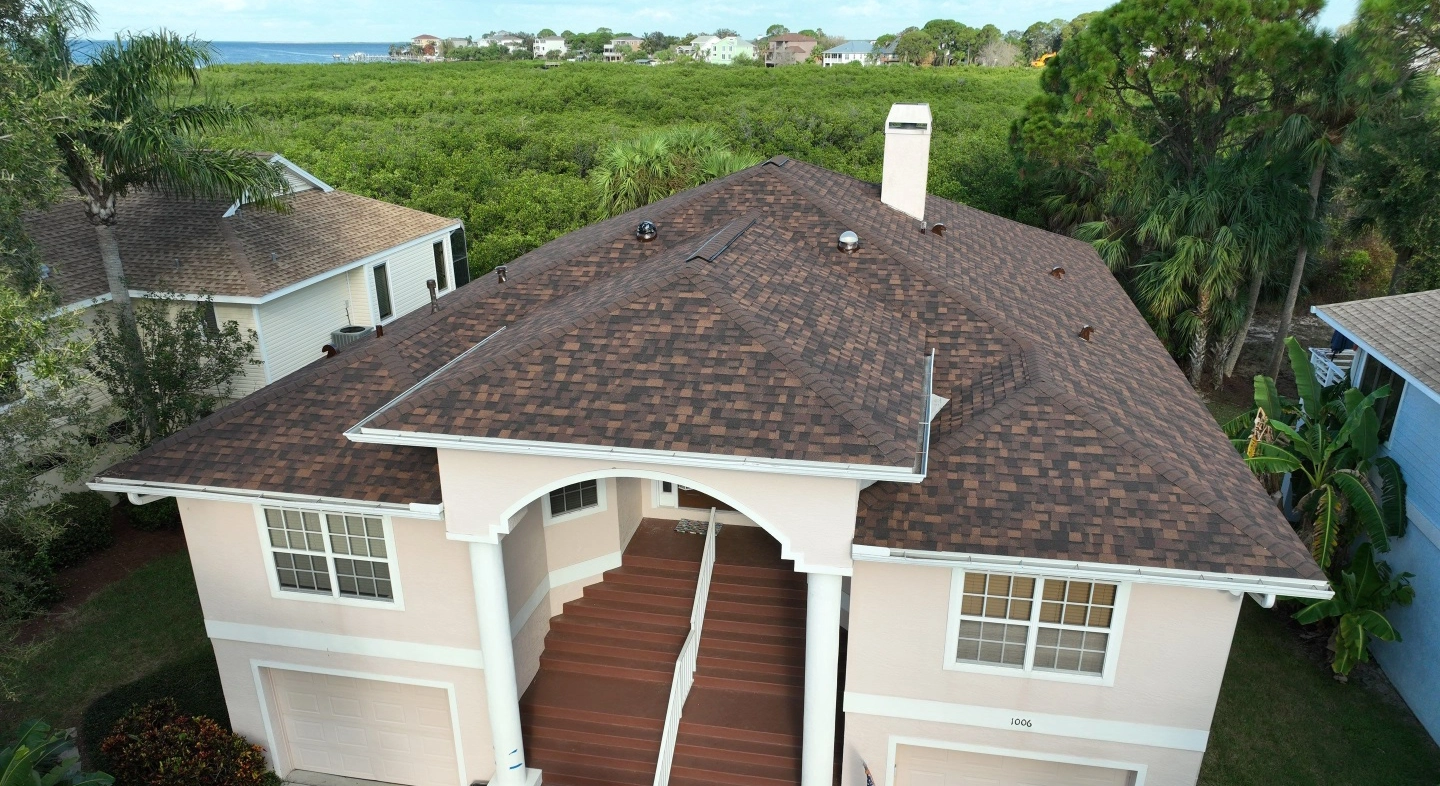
(822, 671)
(492, 608)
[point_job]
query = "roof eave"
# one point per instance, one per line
(1235, 583)
(1370, 350)
(854, 471)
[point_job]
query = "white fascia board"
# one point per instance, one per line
(1259, 585)
(1378, 355)
(294, 167)
(413, 510)
(674, 458)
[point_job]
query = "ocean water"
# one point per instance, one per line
(265, 52)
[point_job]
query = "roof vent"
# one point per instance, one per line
(646, 231)
(938, 229)
(348, 335)
(502, 272)
(1058, 272)
(1086, 332)
(849, 241)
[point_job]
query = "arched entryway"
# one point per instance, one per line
(592, 711)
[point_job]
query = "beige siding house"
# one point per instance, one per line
(623, 511)
(332, 260)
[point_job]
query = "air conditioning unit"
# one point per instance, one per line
(349, 334)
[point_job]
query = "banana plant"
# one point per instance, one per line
(1329, 446)
(1362, 595)
(40, 756)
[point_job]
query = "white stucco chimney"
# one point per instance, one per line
(907, 158)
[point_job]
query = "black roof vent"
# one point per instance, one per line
(848, 242)
(646, 231)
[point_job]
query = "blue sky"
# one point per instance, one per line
(397, 20)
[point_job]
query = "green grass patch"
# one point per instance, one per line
(140, 627)
(1282, 719)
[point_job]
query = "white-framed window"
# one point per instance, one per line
(380, 276)
(574, 500)
(1035, 626)
(330, 556)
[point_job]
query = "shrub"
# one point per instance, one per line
(37, 754)
(84, 519)
(157, 745)
(158, 515)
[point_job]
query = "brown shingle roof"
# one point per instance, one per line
(189, 247)
(1403, 328)
(782, 346)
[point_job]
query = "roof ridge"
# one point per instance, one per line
(237, 254)
(818, 381)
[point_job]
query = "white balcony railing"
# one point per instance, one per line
(684, 677)
(1330, 370)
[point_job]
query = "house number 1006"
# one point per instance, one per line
(1020, 722)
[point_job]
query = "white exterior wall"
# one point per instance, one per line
(295, 326)
(251, 377)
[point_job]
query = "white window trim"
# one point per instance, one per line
(659, 498)
(447, 262)
(601, 505)
(1112, 645)
(393, 560)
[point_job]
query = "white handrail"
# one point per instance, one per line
(686, 663)
(1327, 371)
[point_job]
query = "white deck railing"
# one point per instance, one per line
(689, 656)
(1328, 370)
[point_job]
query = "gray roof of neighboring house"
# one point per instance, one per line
(851, 48)
(1403, 329)
(188, 246)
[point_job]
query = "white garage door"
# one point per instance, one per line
(915, 766)
(380, 731)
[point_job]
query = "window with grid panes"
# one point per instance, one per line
(573, 497)
(330, 554)
(1029, 623)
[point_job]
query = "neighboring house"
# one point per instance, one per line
(512, 42)
(697, 44)
(723, 51)
(548, 44)
(616, 50)
(1397, 343)
(332, 260)
(788, 49)
(428, 44)
(450, 554)
(458, 43)
(847, 53)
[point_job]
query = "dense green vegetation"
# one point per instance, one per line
(509, 146)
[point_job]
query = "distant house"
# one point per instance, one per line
(1397, 343)
(616, 49)
(548, 44)
(847, 53)
(456, 43)
(512, 42)
(723, 51)
(696, 44)
(427, 43)
(333, 260)
(788, 49)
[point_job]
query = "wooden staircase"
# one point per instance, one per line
(742, 724)
(594, 713)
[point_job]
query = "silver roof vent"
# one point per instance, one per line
(646, 231)
(849, 241)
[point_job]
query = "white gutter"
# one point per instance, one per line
(144, 491)
(246, 300)
(1372, 352)
(1270, 586)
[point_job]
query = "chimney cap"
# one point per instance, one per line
(908, 119)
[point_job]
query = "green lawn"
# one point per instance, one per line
(141, 637)
(1282, 720)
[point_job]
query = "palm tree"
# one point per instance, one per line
(635, 172)
(145, 132)
(1343, 88)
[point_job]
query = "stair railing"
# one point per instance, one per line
(686, 663)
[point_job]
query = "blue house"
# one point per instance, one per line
(1397, 343)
